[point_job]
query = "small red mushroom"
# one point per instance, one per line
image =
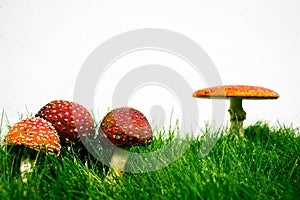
(125, 127)
(71, 120)
(34, 133)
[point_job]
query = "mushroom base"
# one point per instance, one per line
(23, 162)
(237, 115)
(118, 161)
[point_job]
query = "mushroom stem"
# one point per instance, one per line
(118, 161)
(237, 115)
(27, 162)
(23, 162)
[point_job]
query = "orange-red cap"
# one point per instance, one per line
(35, 133)
(241, 91)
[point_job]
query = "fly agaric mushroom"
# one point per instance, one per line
(236, 93)
(71, 120)
(125, 127)
(34, 133)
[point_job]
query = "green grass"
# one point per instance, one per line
(262, 165)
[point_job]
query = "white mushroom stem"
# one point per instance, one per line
(25, 167)
(118, 161)
(237, 115)
(27, 162)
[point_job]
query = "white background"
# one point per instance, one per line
(43, 45)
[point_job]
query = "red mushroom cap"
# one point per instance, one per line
(126, 127)
(35, 133)
(71, 120)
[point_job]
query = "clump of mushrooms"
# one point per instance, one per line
(31, 136)
(236, 93)
(124, 127)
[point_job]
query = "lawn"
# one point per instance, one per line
(264, 164)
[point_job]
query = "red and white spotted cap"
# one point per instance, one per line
(126, 127)
(35, 133)
(71, 120)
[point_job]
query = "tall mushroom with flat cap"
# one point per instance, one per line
(125, 127)
(236, 93)
(35, 135)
